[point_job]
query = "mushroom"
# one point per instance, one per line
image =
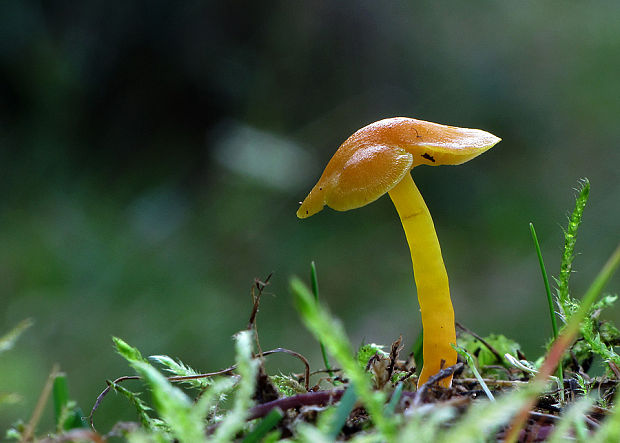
(377, 159)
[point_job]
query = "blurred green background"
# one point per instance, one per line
(152, 155)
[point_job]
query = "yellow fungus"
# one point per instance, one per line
(377, 159)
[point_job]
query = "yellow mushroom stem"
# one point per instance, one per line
(431, 280)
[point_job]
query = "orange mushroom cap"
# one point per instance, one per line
(375, 159)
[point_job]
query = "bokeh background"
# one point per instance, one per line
(152, 154)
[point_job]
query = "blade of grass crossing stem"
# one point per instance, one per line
(342, 412)
(315, 291)
(554, 324)
(265, 425)
(565, 339)
(329, 330)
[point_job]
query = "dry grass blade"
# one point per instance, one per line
(38, 409)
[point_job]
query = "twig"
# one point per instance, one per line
(322, 371)
(407, 375)
(509, 374)
(481, 340)
(446, 372)
(295, 401)
(103, 394)
(260, 286)
(299, 356)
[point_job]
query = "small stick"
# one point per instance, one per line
(299, 356)
(311, 398)
(481, 340)
(444, 373)
(408, 374)
(260, 286)
(322, 371)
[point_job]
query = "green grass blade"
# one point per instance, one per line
(396, 395)
(60, 397)
(315, 290)
(331, 333)
(472, 366)
(66, 413)
(342, 412)
(265, 425)
(543, 271)
(554, 324)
